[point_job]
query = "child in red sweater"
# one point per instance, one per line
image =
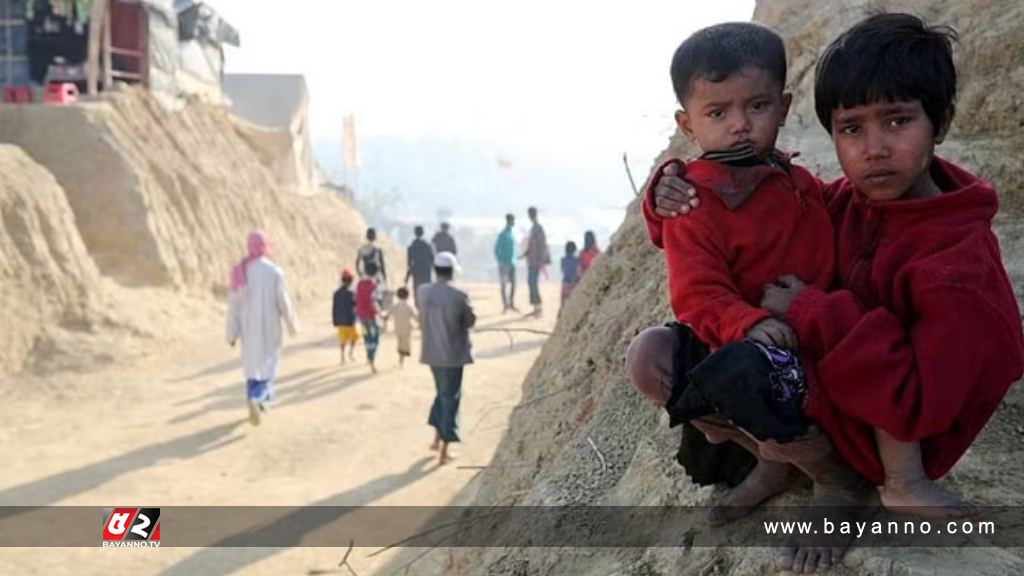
(367, 310)
(760, 216)
(913, 353)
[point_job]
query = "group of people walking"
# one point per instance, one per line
(258, 304)
(362, 306)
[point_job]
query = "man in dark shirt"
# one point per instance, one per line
(420, 256)
(443, 240)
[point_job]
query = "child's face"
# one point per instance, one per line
(745, 109)
(886, 148)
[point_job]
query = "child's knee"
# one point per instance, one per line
(649, 363)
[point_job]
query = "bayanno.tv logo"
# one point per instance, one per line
(131, 527)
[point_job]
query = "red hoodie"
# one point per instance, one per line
(366, 308)
(924, 339)
(753, 225)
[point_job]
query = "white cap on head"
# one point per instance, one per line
(446, 260)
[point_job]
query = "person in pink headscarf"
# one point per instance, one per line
(257, 303)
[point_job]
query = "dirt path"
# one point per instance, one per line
(173, 432)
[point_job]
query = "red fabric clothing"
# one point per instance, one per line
(586, 260)
(719, 258)
(924, 339)
(366, 305)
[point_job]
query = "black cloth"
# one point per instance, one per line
(343, 312)
(759, 388)
(421, 260)
(705, 463)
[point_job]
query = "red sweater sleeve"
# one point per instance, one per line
(651, 219)
(701, 288)
(909, 380)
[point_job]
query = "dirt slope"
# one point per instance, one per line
(150, 207)
(44, 266)
(165, 198)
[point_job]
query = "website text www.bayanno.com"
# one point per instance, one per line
(880, 528)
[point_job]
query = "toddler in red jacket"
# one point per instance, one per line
(912, 354)
(760, 217)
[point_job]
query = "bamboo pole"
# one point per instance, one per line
(97, 17)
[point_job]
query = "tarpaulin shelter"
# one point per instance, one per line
(168, 46)
(202, 32)
(14, 67)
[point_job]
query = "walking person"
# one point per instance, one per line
(257, 303)
(443, 240)
(343, 315)
(537, 256)
(420, 256)
(367, 310)
(368, 254)
(445, 319)
(505, 253)
(404, 316)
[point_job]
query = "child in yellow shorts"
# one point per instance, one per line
(344, 315)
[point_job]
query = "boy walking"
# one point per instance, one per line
(367, 297)
(403, 315)
(343, 314)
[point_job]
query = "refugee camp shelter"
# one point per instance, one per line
(169, 46)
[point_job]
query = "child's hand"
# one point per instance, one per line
(778, 297)
(673, 195)
(773, 332)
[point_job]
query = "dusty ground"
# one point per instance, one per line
(172, 431)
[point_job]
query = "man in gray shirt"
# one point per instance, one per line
(537, 257)
(445, 320)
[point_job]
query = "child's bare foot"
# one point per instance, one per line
(809, 553)
(923, 497)
(766, 480)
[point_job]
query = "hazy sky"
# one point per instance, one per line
(572, 80)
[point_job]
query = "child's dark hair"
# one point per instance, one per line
(570, 248)
(403, 293)
(717, 52)
(890, 57)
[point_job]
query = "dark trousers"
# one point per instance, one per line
(507, 277)
(533, 280)
(416, 283)
(444, 413)
(371, 337)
